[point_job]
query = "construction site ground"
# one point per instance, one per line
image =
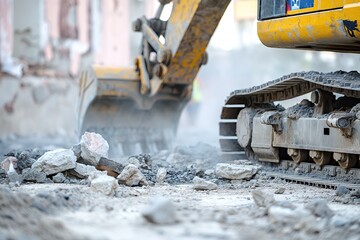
(255, 208)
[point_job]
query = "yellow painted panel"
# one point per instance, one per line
(321, 29)
(122, 73)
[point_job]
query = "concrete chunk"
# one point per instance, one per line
(263, 199)
(160, 211)
(93, 147)
(132, 176)
(202, 184)
(235, 171)
(104, 184)
(55, 161)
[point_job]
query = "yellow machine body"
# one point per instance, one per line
(328, 25)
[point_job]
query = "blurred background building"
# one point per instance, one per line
(45, 43)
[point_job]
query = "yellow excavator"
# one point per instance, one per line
(139, 108)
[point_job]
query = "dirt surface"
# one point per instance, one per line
(77, 211)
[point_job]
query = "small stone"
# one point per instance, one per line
(284, 204)
(93, 147)
(355, 194)
(209, 172)
(59, 178)
(34, 175)
(320, 208)
(341, 191)
(202, 184)
(160, 211)
(134, 160)
(104, 184)
(263, 199)
(82, 171)
(55, 161)
(161, 175)
(297, 219)
(125, 191)
(280, 190)
(235, 171)
(132, 176)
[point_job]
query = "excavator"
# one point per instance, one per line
(139, 108)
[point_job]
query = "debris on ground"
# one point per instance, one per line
(132, 176)
(91, 197)
(235, 171)
(93, 147)
(55, 161)
(104, 184)
(160, 211)
(202, 184)
(280, 190)
(161, 175)
(262, 198)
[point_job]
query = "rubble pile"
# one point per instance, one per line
(87, 163)
(131, 178)
(314, 220)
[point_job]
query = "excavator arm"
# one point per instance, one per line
(137, 109)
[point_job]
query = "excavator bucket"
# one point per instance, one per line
(132, 123)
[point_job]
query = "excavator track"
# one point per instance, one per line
(287, 87)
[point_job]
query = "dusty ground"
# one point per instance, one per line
(74, 211)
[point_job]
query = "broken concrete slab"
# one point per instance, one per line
(160, 211)
(93, 147)
(55, 161)
(202, 184)
(235, 171)
(132, 176)
(104, 184)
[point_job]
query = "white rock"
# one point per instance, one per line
(160, 211)
(104, 184)
(93, 147)
(263, 199)
(161, 175)
(202, 184)
(55, 161)
(85, 171)
(132, 176)
(235, 171)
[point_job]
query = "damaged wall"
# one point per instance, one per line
(44, 44)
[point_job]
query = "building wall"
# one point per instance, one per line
(53, 40)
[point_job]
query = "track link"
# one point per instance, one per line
(287, 87)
